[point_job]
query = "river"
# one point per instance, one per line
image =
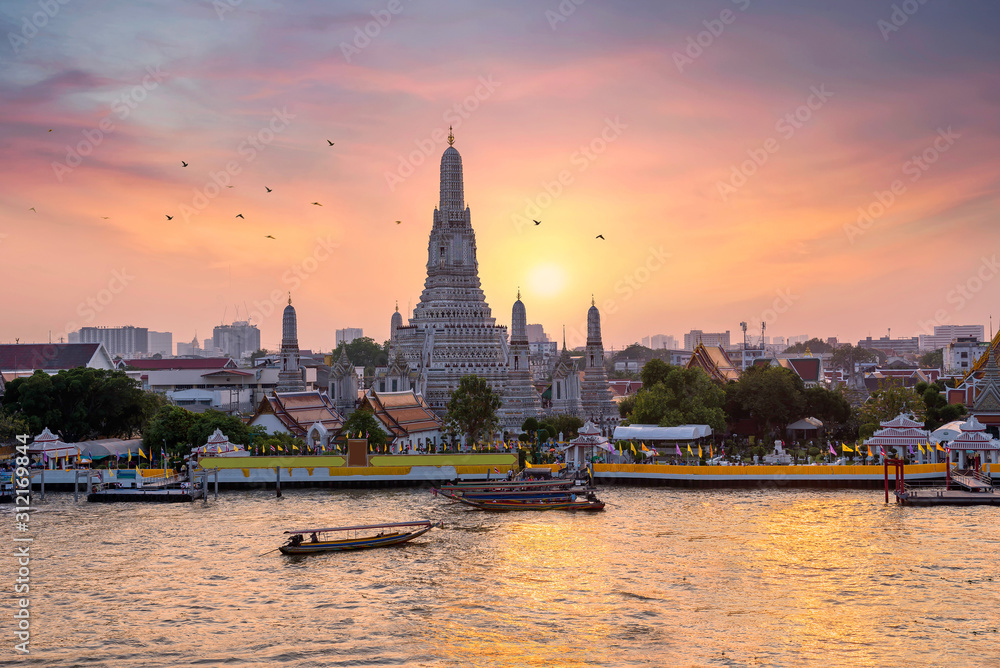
(663, 577)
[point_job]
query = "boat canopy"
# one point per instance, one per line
(364, 526)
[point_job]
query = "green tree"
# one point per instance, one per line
(206, 423)
(567, 425)
(363, 351)
(82, 403)
(886, 403)
(772, 395)
(169, 427)
(678, 396)
(255, 355)
(473, 408)
(833, 409)
(654, 371)
(932, 360)
(815, 346)
(846, 357)
(363, 421)
(937, 410)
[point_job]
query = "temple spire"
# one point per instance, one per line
(564, 337)
(519, 292)
(451, 137)
(289, 298)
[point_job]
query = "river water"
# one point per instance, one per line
(663, 577)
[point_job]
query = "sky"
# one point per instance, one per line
(830, 169)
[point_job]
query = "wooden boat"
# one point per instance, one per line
(591, 503)
(509, 486)
(508, 494)
(339, 539)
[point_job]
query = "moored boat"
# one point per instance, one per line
(590, 503)
(339, 539)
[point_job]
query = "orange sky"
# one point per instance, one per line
(681, 251)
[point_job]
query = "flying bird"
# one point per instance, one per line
(317, 204)
(600, 236)
(50, 130)
(32, 209)
(169, 217)
(399, 222)
(536, 222)
(329, 142)
(269, 237)
(104, 217)
(230, 186)
(240, 215)
(267, 189)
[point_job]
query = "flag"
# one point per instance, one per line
(130, 455)
(689, 449)
(370, 448)
(632, 445)
(679, 453)
(294, 447)
(495, 470)
(940, 449)
(845, 448)
(870, 451)
(909, 449)
(644, 448)
(142, 454)
(711, 451)
(699, 451)
(832, 451)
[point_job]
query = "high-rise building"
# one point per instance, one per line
(348, 334)
(660, 341)
(945, 334)
(536, 334)
(161, 342)
(126, 341)
(236, 339)
(696, 336)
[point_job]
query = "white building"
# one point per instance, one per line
(126, 341)
(961, 354)
(348, 334)
(945, 334)
(161, 342)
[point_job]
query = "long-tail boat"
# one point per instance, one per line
(590, 503)
(339, 539)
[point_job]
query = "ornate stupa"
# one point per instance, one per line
(597, 406)
(290, 376)
(452, 332)
(520, 400)
(565, 384)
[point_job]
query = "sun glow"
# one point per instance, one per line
(547, 279)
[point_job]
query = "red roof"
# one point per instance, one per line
(183, 363)
(47, 356)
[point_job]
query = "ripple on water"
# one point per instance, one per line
(664, 577)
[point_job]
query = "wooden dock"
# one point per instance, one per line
(948, 497)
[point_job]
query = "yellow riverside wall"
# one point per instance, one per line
(464, 463)
(668, 469)
(285, 462)
(498, 459)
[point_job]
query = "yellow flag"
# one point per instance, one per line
(142, 454)
(632, 445)
(699, 451)
(130, 455)
(940, 449)
(870, 451)
(294, 447)
(689, 449)
(370, 448)
(644, 448)
(844, 447)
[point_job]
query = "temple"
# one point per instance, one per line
(452, 332)
(714, 361)
(290, 376)
(520, 400)
(596, 404)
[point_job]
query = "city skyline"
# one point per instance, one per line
(846, 192)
